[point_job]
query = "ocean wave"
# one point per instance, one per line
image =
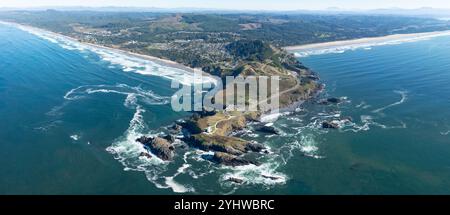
(270, 172)
(125, 148)
(127, 151)
(75, 137)
(404, 97)
(126, 61)
(268, 118)
(338, 49)
(307, 145)
(299, 134)
(366, 122)
(133, 94)
(47, 125)
(363, 105)
(264, 174)
(175, 186)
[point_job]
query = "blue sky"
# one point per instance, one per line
(236, 4)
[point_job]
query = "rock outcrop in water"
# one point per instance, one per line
(145, 155)
(330, 101)
(331, 125)
(230, 160)
(213, 130)
(268, 129)
(160, 147)
(175, 128)
(225, 144)
(169, 138)
(271, 177)
(235, 180)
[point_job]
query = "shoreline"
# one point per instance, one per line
(227, 148)
(367, 41)
(160, 61)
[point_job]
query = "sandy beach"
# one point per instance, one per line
(364, 41)
(160, 61)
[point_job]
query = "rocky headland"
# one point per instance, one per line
(213, 131)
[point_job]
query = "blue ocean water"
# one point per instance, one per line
(69, 118)
(51, 144)
(399, 99)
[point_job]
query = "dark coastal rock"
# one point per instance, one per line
(192, 126)
(169, 138)
(158, 146)
(253, 116)
(176, 128)
(271, 177)
(205, 113)
(330, 101)
(334, 100)
(235, 180)
(312, 77)
(144, 140)
(331, 125)
(226, 144)
(267, 129)
(230, 160)
(145, 154)
(255, 147)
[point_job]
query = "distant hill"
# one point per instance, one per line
(422, 12)
(426, 12)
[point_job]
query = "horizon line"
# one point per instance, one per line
(329, 9)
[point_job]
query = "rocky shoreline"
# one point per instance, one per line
(226, 149)
(213, 132)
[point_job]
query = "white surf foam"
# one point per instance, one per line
(305, 144)
(363, 105)
(127, 62)
(133, 94)
(264, 174)
(126, 149)
(404, 97)
(75, 137)
(176, 187)
(270, 118)
(368, 45)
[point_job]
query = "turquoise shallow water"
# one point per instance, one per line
(69, 118)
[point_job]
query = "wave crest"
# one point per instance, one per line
(132, 94)
(338, 49)
(128, 62)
